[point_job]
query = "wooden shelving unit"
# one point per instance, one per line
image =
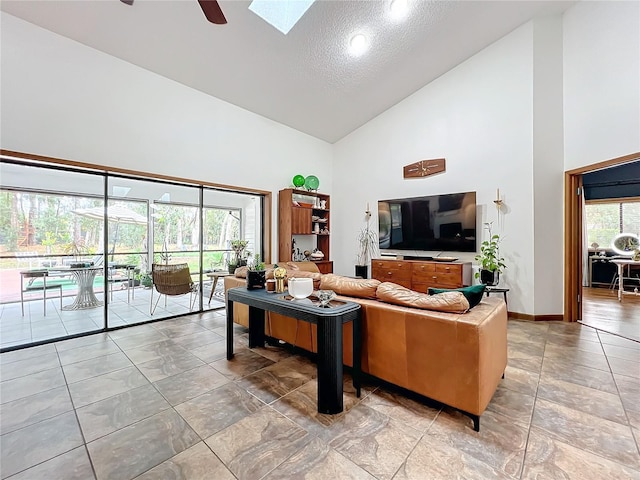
(294, 220)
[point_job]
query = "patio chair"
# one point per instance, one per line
(172, 280)
(30, 287)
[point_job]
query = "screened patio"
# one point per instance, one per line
(91, 237)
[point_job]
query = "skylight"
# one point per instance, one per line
(282, 14)
(120, 191)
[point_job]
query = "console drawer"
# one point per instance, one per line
(420, 270)
(420, 275)
(449, 268)
(392, 271)
(444, 280)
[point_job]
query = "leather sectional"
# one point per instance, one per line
(457, 359)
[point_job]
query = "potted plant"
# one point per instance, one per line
(368, 247)
(256, 274)
(491, 263)
(240, 254)
(145, 279)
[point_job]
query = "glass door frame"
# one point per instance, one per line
(107, 173)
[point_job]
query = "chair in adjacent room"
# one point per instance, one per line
(172, 280)
(31, 286)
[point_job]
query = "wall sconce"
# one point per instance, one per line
(498, 200)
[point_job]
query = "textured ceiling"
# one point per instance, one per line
(306, 79)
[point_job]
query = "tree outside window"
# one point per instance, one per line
(605, 220)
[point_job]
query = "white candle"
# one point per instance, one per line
(498, 194)
(367, 206)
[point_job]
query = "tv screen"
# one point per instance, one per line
(437, 222)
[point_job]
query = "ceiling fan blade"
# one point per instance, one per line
(128, 2)
(212, 11)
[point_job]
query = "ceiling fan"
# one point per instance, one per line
(211, 10)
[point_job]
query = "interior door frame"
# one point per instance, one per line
(573, 233)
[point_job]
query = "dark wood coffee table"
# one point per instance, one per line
(329, 322)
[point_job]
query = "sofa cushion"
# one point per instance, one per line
(295, 272)
(241, 272)
(351, 287)
(473, 293)
(453, 302)
(315, 276)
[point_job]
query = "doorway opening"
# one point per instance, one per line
(601, 191)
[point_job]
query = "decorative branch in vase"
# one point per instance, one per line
(368, 247)
(240, 254)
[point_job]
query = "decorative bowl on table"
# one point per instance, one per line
(300, 287)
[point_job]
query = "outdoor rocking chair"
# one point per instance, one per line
(172, 280)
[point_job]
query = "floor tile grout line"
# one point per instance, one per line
(37, 393)
(312, 436)
(530, 426)
(617, 334)
(598, 454)
(533, 409)
(171, 407)
(84, 440)
(624, 409)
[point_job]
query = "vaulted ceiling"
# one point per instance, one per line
(305, 79)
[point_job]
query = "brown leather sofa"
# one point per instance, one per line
(456, 359)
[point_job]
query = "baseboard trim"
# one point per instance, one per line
(537, 318)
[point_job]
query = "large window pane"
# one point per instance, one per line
(606, 220)
(98, 258)
(43, 241)
(631, 218)
(227, 216)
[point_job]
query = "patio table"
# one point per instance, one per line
(84, 277)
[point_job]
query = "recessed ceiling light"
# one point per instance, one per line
(358, 44)
(398, 9)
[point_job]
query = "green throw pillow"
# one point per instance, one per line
(473, 293)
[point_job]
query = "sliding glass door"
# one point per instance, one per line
(111, 250)
(227, 216)
(51, 280)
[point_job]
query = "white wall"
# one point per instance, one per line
(495, 118)
(601, 81)
(547, 166)
(479, 117)
(63, 99)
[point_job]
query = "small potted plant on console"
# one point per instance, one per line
(491, 263)
(256, 274)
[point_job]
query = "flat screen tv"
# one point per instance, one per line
(437, 222)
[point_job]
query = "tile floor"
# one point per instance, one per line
(161, 401)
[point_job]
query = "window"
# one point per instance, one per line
(606, 219)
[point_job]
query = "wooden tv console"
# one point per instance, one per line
(419, 275)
